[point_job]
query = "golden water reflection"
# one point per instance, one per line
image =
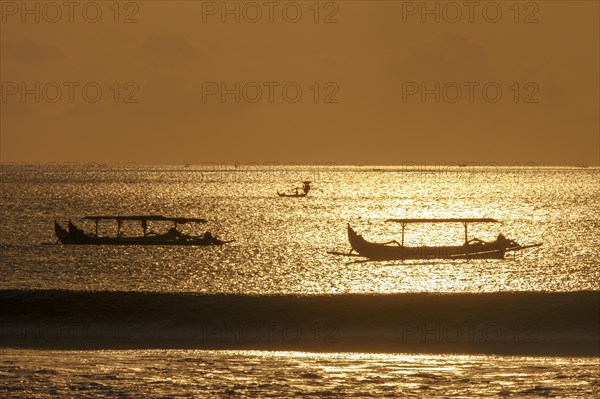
(281, 244)
(250, 374)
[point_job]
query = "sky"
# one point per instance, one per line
(341, 82)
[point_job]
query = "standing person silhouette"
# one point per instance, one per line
(306, 186)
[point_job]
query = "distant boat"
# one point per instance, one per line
(297, 193)
(394, 250)
(76, 236)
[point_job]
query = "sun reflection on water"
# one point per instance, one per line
(281, 244)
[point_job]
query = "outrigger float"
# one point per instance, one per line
(394, 250)
(76, 236)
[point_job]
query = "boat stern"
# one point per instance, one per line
(62, 234)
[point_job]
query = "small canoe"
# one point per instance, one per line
(299, 195)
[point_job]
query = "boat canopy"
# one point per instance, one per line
(177, 220)
(447, 220)
(464, 221)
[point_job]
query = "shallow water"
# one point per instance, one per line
(254, 374)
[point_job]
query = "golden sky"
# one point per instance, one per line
(381, 82)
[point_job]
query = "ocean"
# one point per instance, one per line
(273, 314)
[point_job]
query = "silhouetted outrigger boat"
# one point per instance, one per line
(75, 235)
(394, 250)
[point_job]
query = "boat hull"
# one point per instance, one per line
(75, 236)
(291, 195)
(379, 251)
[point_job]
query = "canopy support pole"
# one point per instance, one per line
(96, 227)
(403, 224)
(466, 235)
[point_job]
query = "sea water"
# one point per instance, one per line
(359, 346)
